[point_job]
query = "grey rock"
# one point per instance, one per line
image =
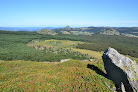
(64, 60)
(121, 69)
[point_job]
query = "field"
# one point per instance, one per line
(56, 43)
(73, 75)
(95, 54)
(62, 48)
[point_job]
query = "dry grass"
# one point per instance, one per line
(68, 44)
(95, 54)
(56, 43)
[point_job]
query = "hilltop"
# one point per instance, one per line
(127, 31)
(47, 32)
(110, 32)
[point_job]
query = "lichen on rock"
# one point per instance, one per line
(121, 69)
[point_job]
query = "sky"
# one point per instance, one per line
(75, 13)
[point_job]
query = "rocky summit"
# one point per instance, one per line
(110, 32)
(68, 28)
(47, 32)
(121, 69)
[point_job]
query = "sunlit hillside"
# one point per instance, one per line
(73, 75)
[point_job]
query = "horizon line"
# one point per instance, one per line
(73, 26)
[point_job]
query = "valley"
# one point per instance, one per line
(68, 46)
(31, 61)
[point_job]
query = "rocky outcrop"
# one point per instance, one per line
(121, 69)
(47, 32)
(68, 28)
(110, 32)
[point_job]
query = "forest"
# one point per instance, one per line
(13, 45)
(123, 44)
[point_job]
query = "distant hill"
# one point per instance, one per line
(128, 30)
(83, 29)
(110, 32)
(47, 32)
(67, 29)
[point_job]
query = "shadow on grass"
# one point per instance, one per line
(123, 79)
(97, 70)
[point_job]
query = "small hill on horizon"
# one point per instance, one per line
(67, 28)
(110, 32)
(47, 32)
(126, 31)
(131, 31)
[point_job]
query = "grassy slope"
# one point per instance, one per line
(71, 44)
(37, 76)
(68, 44)
(90, 52)
(98, 55)
(56, 43)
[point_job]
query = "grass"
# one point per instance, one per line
(73, 75)
(62, 48)
(71, 45)
(95, 54)
(66, 44)
(56, 43)
(28, 76)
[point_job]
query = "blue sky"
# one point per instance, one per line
(18, 13)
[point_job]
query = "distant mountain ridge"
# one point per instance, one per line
(81, 30)
(127, 31)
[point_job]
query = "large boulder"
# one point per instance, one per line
(121, 69)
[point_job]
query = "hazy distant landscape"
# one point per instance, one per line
(25, 28)
(124, 30)
(68, 46)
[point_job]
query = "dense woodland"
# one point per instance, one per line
(128, 30)
(13, 45)
(123, 44)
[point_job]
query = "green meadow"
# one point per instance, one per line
(73, 75)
